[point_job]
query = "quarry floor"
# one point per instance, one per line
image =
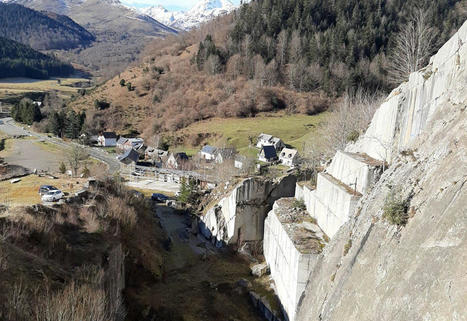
(200, 281)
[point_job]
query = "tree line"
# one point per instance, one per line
(320, 44)
(18, 60)
(69, 125)
(26, 112)
(62, 123)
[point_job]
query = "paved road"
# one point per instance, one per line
(8, 126)
(153, 185)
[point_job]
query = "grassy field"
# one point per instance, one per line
(25, 192)
(12, 87)
(294, 130)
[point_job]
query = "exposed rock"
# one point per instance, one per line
(292, 242)
(239, 216)
(414, 272)
(259, 269)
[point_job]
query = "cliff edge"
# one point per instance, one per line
(374, 270)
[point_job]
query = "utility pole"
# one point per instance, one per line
(354, 186)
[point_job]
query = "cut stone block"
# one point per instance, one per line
(353, 168)
(332, 203)
(291, 249)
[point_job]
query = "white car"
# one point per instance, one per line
(52, 196)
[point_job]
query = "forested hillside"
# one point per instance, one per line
(41, 30)
(18, 60)
(121, 33)
(334, 45)
(296, 56)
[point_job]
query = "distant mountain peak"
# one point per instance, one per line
(202, 11)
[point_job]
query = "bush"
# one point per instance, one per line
(353, 136)
(62, 168)
(395, 210)
(101, 104)
(122, 82)
(300, 204)
(86, 172)
(347, 247)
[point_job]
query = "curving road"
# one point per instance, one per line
(9, 127)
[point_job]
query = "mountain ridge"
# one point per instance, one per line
(41, 30)
(202, 11)
(121, 32)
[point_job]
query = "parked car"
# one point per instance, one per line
(160, 198)
(52, 196)
(46, 188)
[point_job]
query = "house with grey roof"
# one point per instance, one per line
(129, 158)
(208, 152)
(266, 139)
(267, 154)
(225, 154)
(107, 139)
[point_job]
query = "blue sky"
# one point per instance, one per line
(173, 5)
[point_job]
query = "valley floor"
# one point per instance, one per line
(199, 281)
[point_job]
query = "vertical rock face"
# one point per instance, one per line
(239, 217)
(372, 270)
(291, 245)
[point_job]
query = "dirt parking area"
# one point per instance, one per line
(26, 191)
(33, 154)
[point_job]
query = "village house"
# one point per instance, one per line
(121, 143)
(107, 139)
(267, 154)
(158, 156)
(265, 139)
(153, 153)
(208, 152)
(288, 157)
(129, 158)
(129, 143)
(177, 160)
(225, 154)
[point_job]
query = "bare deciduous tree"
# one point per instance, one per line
(412, 47)
(295, 47)
(75, 157)
(271, 73)
(260, 70)
(281, 50)
(345, 124)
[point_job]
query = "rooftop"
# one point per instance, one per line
(364, 158)
(208, 149)
(269, 151)
(109, 135)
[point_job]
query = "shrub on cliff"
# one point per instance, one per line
(395, 209)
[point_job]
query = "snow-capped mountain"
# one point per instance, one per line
(203, 11)
(162, 15)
